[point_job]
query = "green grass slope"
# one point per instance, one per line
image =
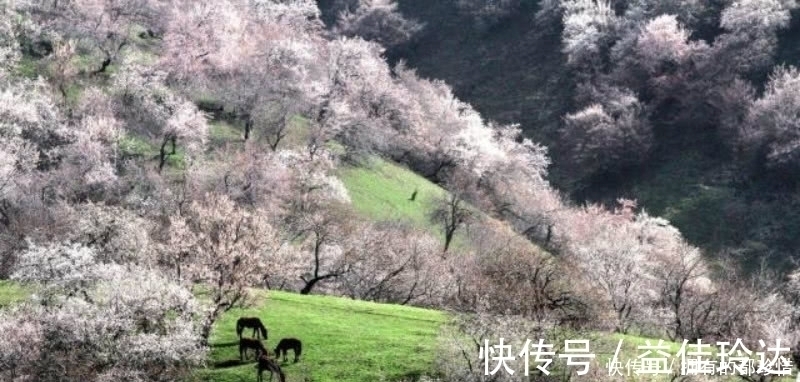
(11, 292)
(381, 190)
(343, 340)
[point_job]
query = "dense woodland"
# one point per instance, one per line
(161, 159)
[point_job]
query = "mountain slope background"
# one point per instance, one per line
(163, 161)
(513, 70)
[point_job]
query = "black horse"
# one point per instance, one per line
(251, 343)
(265, 363)
(259, 330)
(289, 343)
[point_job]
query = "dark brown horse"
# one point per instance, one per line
(251, 343)
(289, 343)
(265, 363)
(259, 330)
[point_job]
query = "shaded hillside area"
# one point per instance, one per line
(514, 71)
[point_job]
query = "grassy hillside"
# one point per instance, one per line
(381, 190)
(11, 292)
(343, 340)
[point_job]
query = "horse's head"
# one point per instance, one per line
(263, 330)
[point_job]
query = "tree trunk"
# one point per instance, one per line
(208, 324)
(311, 283)
(248, 125)
(448, 237)
(103, 66)
(162, 154)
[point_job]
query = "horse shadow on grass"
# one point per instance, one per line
(229, 363)
(224, 344)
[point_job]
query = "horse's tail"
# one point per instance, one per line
(239, 328)
(263, 330)
(299, 348)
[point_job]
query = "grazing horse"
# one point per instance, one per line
(259, 329)
(265, 363)
(251, 343)
(289, 343)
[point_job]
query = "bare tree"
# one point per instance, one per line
(325, 231)
(685, 291)
(450, 213)
(507, 274)
(393, 263)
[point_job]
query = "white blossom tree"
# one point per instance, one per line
(589, 26)
(118, 235)
(325, 230)
(379, 21)
(222, 247)
(152, 109)
(604, 137)
(772, 122)
(625, 254)
(756, 16)
(751, 39)
(30, 130)
(663, 41)
(127, 321)
(253, 58)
